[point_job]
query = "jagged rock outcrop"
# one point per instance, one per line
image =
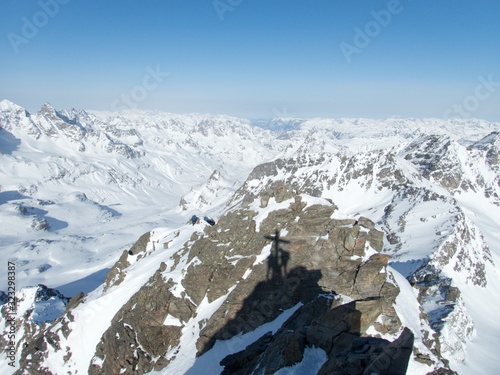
(141, 244)
(323, 254)
(337, 329)
(369, 355)
(444, 306)
(138, 339)
(440, 158)
(37, 307)
(116, 274)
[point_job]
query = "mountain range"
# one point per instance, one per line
(391, 224)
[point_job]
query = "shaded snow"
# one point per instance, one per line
(313, 359)
(208, 363)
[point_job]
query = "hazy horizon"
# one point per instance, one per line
(255, 60)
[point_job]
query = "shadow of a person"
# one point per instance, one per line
(278, 259)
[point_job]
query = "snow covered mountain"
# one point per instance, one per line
(74, 182)
(79, 188)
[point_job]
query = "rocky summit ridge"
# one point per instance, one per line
(247, 270)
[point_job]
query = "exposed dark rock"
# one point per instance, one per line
(369, 355)
(312, 310)
(443, 371)
(246, 359)
(286, 349)
(3, 297)
(137, 339)
(395, 356)
(75, 301)
(140, 245)
(337, 331)
(321, 255)
(116, 275)
(434, 286)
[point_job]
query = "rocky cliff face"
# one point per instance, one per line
(440, 159)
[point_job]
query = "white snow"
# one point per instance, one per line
(264, 254)
(482, 304)
(262, 213)
(172, 321)
(408, 311)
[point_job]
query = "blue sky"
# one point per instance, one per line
(255, 58)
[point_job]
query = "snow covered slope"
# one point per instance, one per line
(78, 188)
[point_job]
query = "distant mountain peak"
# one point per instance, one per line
(8, 106)
(48, 109)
